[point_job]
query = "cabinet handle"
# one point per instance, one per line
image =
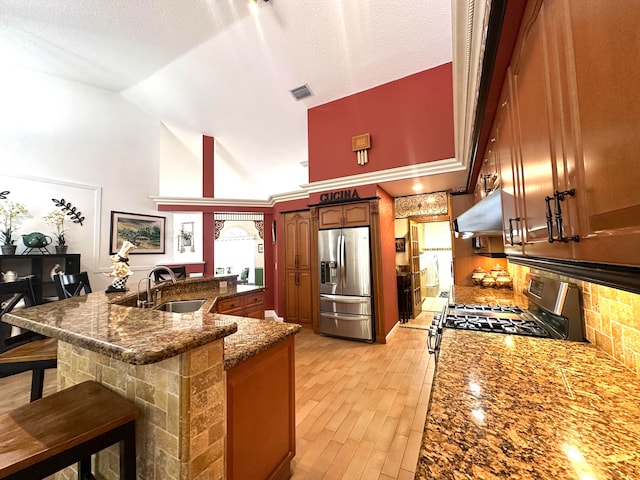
(486, 177)
(547, 199)
(296, 260)
(559, 197)
(511, 220)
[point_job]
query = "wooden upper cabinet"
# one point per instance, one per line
(297, 227)
(330, 217)
(356, 214)
(532, 99)
(604, 99)
(488, 178)
(566, 133)
(510, 173)
(345, 215)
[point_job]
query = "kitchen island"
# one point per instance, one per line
(508, 406)
(173, 366)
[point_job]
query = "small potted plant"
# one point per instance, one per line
(56, 219)
(9, 211)
(186, 238)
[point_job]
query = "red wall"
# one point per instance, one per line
(387, 238)
(410, 121)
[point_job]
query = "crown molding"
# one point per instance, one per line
(392, 174)
(470, 21)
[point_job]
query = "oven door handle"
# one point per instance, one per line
(433, 335)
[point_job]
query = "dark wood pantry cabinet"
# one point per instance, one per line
(297, 247)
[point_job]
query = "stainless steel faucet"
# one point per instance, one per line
(151, 292)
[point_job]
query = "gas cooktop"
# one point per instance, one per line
(512, 324)
(554, 312)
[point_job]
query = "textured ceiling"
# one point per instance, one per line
(225, 67)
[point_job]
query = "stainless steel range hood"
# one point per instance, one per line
(484, 218)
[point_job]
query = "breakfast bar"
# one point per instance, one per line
(173, 366)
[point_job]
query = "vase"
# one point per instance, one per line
(8, 249)
(61, 250)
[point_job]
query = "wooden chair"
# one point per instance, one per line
(244, 276)
(72, 284)
(178, 272)
(27, 351)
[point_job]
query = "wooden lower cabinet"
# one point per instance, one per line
(298, 302)
(245, 305)
(261, 439)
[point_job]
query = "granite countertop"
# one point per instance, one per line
(110, 324)
(508, 406)
(486, 296)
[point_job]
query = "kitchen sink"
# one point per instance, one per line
(181, 306)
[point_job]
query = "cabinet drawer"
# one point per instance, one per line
(256, 311)
(253, 299)
(227, 304)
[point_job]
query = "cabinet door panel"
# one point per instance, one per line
(510, 168)
(330, 217)
(356, 214)
(605, 39)
(535, 141)
(303, 244)
(291, 296)
(304, 297)
(290, 240)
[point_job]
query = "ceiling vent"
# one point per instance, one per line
(301, 92)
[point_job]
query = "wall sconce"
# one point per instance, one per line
(360, 145)
(185, 237)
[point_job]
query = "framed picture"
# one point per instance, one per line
(260, 248)
(400, 245)
(146, 232)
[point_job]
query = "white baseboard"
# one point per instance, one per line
(272, 315)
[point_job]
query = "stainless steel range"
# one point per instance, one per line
(554, 312)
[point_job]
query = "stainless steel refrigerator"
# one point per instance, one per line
(346, 308)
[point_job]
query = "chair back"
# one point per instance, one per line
(244, 275)
(11, 293)
(178, 272)
(72, 284)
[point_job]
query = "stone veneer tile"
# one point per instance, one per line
(612, 317)
(175, 401)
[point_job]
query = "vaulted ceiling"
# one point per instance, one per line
(224, 68)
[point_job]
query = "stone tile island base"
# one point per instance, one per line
(180, 431)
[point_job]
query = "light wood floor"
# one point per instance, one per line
(360, 408)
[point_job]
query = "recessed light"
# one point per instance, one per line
(417, 187)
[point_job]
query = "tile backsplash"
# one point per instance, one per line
(610, 323)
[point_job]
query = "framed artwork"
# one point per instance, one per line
(260, 248)
(146, 232)
(400, 245)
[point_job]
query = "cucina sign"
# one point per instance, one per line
(339, 196)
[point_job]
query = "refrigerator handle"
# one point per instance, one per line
(343, 263)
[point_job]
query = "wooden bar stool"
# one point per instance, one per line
(45, 436)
